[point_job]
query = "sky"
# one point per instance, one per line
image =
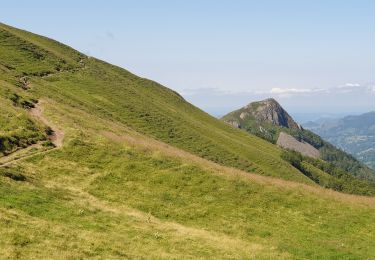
(317, 58)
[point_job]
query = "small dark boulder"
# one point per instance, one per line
(14, 176)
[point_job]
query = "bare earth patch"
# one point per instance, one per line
(289, 142)
(57, 136)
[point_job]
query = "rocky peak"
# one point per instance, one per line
(271, 111)
(265, 111)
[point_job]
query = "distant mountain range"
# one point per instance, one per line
(353, 134)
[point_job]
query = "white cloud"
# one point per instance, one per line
(289, 90)
(353, 87)
(350, 85)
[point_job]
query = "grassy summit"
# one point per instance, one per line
(144, 173)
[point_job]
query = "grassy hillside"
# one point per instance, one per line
(17, 128)
(143, 173)
(113, 93)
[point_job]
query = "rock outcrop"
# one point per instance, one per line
(266, 111)
(269, 120)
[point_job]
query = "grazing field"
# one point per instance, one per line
(142, 173)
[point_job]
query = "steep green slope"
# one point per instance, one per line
(115, 190)
(17, 129)
(111, 92)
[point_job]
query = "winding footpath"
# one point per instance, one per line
(56, 138)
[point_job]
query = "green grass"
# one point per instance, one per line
(280, 221)
(131, 196)
(113, 93)
(17, 129)
(158, 112)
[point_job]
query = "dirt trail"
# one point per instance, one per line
(17, 158)
(57, 136)
(19, 154)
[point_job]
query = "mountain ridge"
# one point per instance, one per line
(262, 119)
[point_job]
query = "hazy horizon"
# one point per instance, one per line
(315, 58)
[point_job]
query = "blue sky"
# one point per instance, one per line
(316, 57)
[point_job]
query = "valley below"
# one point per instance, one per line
(353, 134)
